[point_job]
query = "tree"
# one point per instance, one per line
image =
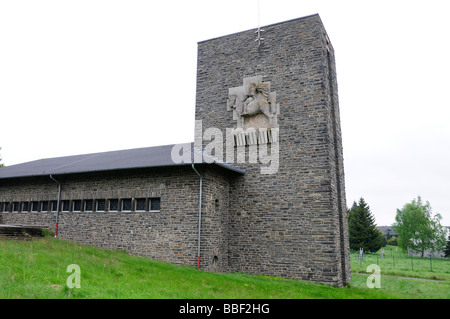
(418, 230)
(363, 232)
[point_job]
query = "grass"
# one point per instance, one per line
(37, 269)
(398, 263)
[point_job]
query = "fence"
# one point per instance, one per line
(398, 261)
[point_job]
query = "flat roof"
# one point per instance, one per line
(147, 157)
(262, 27)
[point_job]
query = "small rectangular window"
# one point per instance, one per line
(34, 206)
(155, 204)
(53, 205)
(88, 205)
(141, 205)
(1, 207)
(126, 205)
(7, 207)
(44, 206)
(66, 205)
(113, 205)
(15, 206)
(25, 206)
(100, 205)
(77, 205)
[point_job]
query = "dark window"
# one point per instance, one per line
(1, 207)
(113, 205)
(141, 204)
(53, 205)
(155, 204)
(100, 205)
(77, 205)
(25, 206)
(126, 205)
(44, 207)
(66, 205)
(7, 207)
(88, 205)
(15, 207)
(34, 206)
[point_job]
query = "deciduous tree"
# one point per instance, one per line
(418, 230)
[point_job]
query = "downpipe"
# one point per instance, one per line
(57, 205)
(199, 217)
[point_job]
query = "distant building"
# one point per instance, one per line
(387, 231)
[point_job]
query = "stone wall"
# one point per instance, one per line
(168, 235)
(291, 223)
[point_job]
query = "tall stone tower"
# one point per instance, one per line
(274, 97)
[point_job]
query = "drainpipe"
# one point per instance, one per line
(199, 217)
(57, 204)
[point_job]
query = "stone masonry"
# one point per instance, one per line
(291, 223)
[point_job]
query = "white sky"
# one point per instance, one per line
(87, 76)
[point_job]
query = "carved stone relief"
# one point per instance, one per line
(253, 105)
(255, 109)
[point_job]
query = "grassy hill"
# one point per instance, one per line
(37, 269)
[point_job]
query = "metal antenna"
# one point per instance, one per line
(259, 39)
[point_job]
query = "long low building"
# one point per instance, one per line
(261, 189)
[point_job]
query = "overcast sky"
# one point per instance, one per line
(82, 76)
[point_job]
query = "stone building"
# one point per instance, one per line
(261, 189)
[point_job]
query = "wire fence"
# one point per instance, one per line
(398, 261)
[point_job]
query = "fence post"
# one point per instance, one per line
(412, 267)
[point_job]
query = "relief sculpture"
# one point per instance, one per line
(253, 105)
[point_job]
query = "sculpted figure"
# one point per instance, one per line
(254, 102)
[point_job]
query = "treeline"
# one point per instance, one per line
(418, 229)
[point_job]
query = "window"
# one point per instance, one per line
(100, 205)
(66, 205)
(113, 205)
(53, 206)
(77, 205)
(126, 205)
(141, 205)
(155, 204)
(34, 206)
(25, 206)
(88, 205)
(44, 206)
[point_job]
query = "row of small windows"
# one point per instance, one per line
(86, 205)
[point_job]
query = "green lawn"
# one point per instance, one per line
(397, 262)
(37, 269)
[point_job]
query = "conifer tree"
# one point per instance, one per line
(363, 232)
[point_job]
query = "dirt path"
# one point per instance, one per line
(425, 279)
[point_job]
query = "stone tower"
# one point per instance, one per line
(275, 100)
